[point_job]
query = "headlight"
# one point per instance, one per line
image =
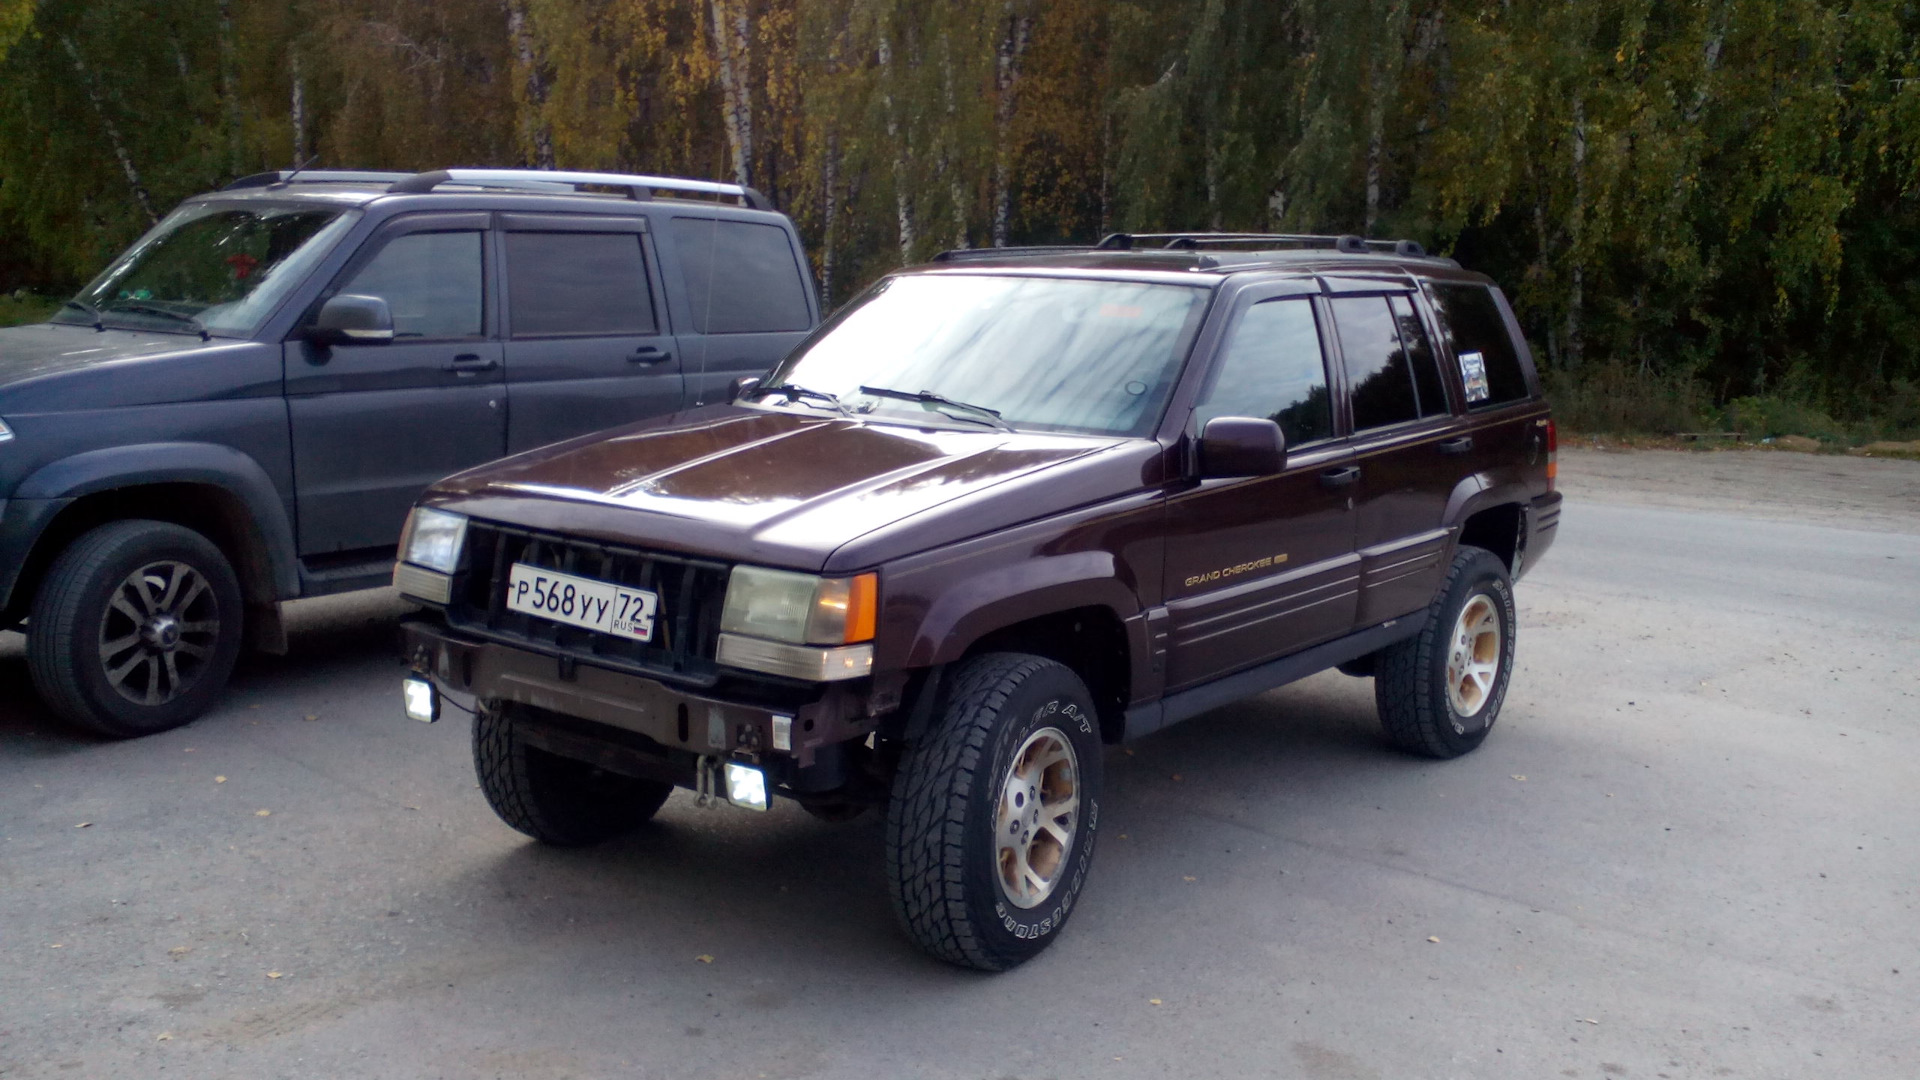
(433, 539)
(780, 605)
(6, 433)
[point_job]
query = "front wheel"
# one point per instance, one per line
(991, 825)
(135, 628)
(1440, 691)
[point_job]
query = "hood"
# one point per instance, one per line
(774, 488)
(40, 363)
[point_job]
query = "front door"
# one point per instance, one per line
(586, 344)
(1261, 567)
(374, 424)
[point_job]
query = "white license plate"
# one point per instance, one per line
(577, 601)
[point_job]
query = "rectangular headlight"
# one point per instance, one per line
(805, 609)
(433, 539)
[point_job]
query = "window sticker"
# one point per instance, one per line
(1473, 370)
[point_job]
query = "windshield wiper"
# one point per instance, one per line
(794, 393)
(88, 310)
(139, 308)
(977, 413)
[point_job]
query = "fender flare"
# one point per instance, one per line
(971, 607)
(209, 464)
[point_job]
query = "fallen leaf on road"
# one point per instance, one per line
(1435, 940)
(219, 779)
(84, 825)
(1176, 776)
(1517, 776)
(704, 958)
(58, 945)
(179, 950)
(313, 718)
(1123, 836)
(1586, 1021)
(165, 1036)
(263, 813)
(273, 974)
(413, 808)
(1127, 750)
(1153, 1001)
(1189, 877)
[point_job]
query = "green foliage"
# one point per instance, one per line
(1691, 201)
(21, 307)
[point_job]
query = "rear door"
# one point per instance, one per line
(746, 297)
(1483, 344)
(374, 424)
(587, 344)
(1405, 446)
(1261, 567)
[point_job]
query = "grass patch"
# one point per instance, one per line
(25, 307)
(1619, 403)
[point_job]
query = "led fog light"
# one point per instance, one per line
(746, 786)
(423, 701)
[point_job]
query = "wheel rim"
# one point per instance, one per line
(1473, 660)
(1039, 815)
(158, 632)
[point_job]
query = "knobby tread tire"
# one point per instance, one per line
(926, 837)
(554, 800)
(60, 649)
(1411, 701)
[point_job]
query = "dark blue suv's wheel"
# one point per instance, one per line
(135, 628)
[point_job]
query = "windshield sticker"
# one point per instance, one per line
(1473, 370)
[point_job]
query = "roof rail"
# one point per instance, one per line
(314, 176)
(640, 188)
(1346, 244)
(964, 254)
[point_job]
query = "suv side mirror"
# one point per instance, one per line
(353, 320)
(740, 385)
(1237, 446)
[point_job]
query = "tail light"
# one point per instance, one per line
(1553, 454)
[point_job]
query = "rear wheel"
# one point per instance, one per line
(135, 629)
(555, 800)
(991, 825)
(1440, 691)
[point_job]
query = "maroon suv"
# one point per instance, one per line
(1000, 512)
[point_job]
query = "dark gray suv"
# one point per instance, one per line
(240, 410)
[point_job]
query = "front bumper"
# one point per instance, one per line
(676, 719)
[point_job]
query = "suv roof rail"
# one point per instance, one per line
(640, 188)
(964, 254)
(1347, 244)
(314, 176)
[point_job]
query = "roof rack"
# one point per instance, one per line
(314, 176)
(639, 188)
(1346, 244)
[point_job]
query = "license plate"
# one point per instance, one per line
(577, 601)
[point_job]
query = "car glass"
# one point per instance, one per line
(1482, 345)
(1273, 367)
(430, 280)
(216, 266)
(1378, 384)
(742, 277)
(1420, 357)
(1053, 353)
(577, 284)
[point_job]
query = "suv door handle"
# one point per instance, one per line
(650, 354)
(1341, 477)
(1459, 445)
(470, 364)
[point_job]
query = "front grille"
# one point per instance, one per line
(686, 631)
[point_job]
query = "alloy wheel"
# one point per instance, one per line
(158, 632)
(1038, 818)
(1473, 658)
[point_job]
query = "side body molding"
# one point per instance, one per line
(181, 463)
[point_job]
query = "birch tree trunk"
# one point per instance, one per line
(298, 110)
(732, 49)
(536, 131)
(830, 215)
(1576, 252)
(902, 198)
(1006, 79)
(229, 90)
(114, 140)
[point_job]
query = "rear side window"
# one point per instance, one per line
(1489, 363)
(1273, 368)
(1389, 380)
(742, 277)
(432, 281)
(577, 284)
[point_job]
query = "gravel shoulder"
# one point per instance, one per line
(1876, 494)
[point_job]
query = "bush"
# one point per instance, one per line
(1618, 399)
(25, 307)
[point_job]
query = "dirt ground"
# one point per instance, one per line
(1817, 489)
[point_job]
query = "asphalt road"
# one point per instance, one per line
(1691, 849)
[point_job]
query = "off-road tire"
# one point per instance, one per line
(555, 800)
(70, 612)
(1410, 680)
(941, 862)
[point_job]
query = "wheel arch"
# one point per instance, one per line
(1487, 516)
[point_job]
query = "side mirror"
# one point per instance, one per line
(353, 320)
(740, 385)
(1237, 446)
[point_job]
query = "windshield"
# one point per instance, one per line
(211, 266)
(1050, 353)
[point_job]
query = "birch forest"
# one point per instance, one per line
(1717, 199)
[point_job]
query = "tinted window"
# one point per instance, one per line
(1420, 357)
(577, 284)
(1377, 378)
(1273, 367)
(432, 282)
(742, 277)
(1489, 362)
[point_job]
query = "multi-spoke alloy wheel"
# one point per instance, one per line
(135, 628)
(1473, 659)
(1039, 812)
(158, 631)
